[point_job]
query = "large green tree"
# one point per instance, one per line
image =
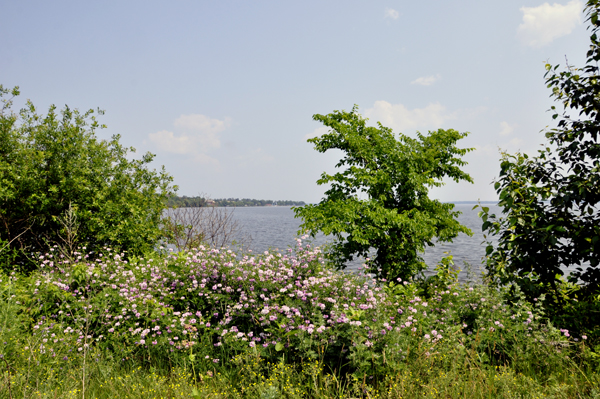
(551, 201)
(379, 200)
(60, 184)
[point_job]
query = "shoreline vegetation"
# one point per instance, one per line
(201, 201)
(214, 323)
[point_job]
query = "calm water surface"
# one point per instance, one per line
(276, 228)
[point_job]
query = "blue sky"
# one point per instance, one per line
(224, 92)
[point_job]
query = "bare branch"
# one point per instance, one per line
(214, 226)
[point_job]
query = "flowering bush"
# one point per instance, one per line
(206, 306)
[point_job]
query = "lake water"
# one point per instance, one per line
(276, 228)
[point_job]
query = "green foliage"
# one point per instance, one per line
(186, 202)
(551, 200)
(77, 330)
(54, 172)
(397, 218)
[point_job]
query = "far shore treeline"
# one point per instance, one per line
(191, 202)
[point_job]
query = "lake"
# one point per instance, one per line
(276, 228)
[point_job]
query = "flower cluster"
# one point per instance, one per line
(292, 301)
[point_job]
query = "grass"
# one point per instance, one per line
(261, 379)
(215, 324)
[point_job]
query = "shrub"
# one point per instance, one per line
(550, 202)
(208, 306)
(62, 185)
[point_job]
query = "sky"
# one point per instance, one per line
(223, 92)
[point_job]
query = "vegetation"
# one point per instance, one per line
(205, 321)
(396, 217)
(550, 204)
(181, 202)
(551, 201)
(186, 202)
(212, 323)
(61, 185)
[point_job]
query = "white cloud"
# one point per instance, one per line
(542, 24)
(202, 123)
(391, 13)
(167, 141)
(400, 118)
(506, 128)
(201, 135)
(316, 133)
(426, 80)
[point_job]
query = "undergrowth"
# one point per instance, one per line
(214, 324)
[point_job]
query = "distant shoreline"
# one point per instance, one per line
(472, 202)
(193, 202)
(198, 202)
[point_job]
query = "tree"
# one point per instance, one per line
(550, 201)
(55, 175)
(396, 217)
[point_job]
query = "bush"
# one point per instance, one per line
(214, 323)
(61, 185)
(208, 306)
(551, 202)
